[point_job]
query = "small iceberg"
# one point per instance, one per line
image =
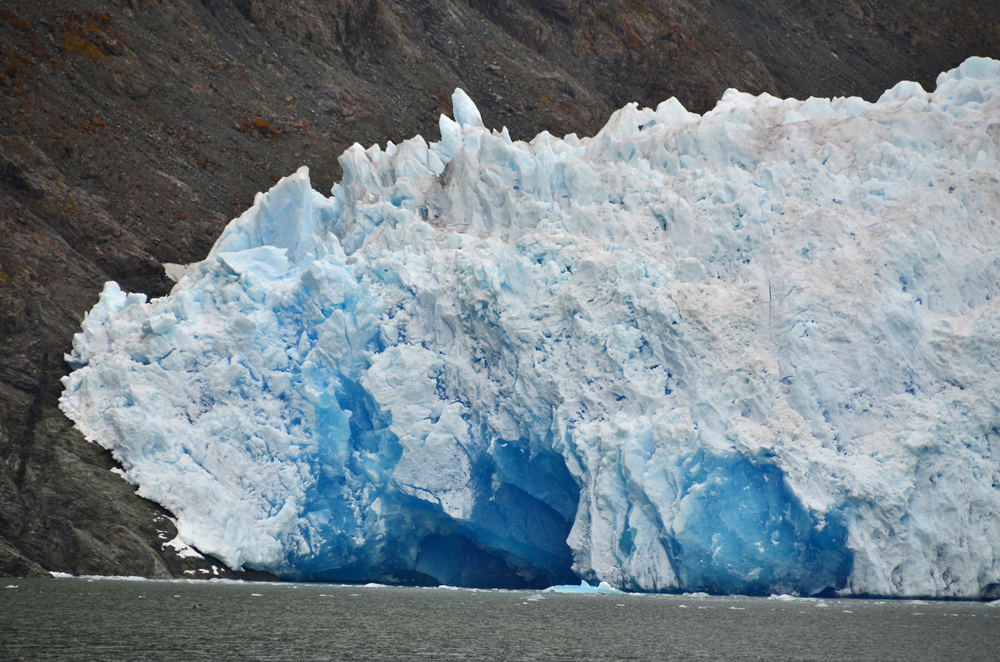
(584, 587)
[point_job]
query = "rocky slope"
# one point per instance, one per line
(132, 130)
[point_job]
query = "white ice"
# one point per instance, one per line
(584, 587)
(751, 352)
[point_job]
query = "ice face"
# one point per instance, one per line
(750, 352)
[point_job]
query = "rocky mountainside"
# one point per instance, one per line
(131, 131)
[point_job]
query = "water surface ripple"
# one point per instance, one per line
(120, 620)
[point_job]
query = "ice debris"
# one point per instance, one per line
(584, 587)
(747, 352)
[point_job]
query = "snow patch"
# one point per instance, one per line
(182, 549)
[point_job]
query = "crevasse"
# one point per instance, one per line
(748, 352)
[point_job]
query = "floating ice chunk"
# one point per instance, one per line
(584, 587)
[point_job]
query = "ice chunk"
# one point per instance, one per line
(749, 352)
(265, 261)
(584, 587)
(466, 113)
(176, 272)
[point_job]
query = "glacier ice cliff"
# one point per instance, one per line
(753, 351)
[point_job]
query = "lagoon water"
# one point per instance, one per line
(120, 620)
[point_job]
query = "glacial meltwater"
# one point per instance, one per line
(120, 620)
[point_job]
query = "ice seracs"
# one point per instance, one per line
(750, 352)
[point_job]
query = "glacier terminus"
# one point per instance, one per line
(755, 351)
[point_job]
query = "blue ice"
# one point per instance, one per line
(746, 352)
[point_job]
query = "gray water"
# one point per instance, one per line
(119, 620)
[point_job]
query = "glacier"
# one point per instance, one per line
(753, 351)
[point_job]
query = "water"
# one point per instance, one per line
(118, 620)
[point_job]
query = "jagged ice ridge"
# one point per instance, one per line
(753, 351)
